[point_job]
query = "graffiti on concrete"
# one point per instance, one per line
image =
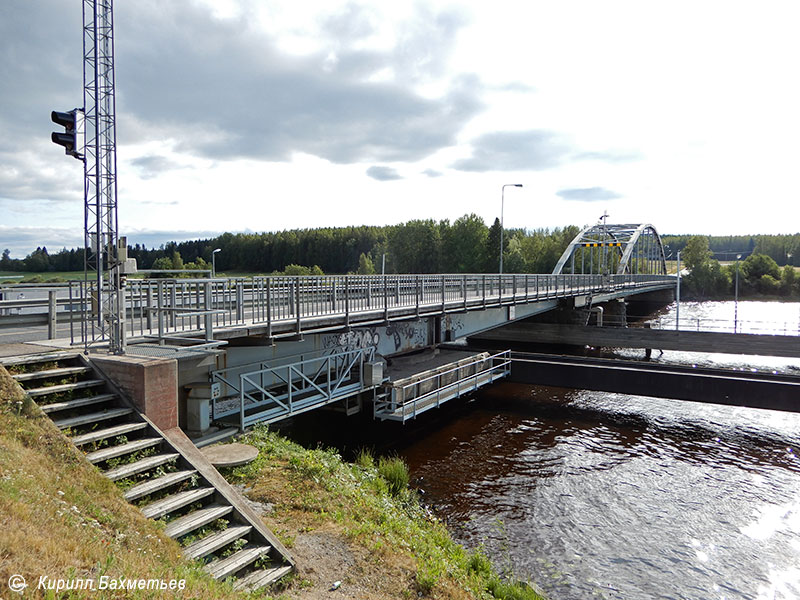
(396, 337)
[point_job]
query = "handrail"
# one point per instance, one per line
(184, 306)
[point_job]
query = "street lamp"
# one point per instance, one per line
(214, 262)
(736, 296)
(502, 203)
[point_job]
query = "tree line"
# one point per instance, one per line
(783, 249)
(467, 245)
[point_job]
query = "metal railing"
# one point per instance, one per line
(406, 401)
(164, 308)
(280, 391)
(667, 322)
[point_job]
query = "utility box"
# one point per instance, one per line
(373, 373)
(198, 406)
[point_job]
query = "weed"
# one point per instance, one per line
(365, 459)
(395, 472)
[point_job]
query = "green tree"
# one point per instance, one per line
(706, 277)
(464, 245)
(790, 282)
(755, 266)
(365, 266)
(492, 264)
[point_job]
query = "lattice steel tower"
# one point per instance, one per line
(103, 254)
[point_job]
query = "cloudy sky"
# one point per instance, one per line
(261, 115)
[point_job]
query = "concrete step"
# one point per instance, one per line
(188, 523)
(32, 359)
(60, 372)
(162, 507)
(159, 483)
(110, 413)
(101, 434)
(225, 567)
(122, 449)
(151, 462)
(77, 403)
(66, 387)
(260, 578)
(214, 542)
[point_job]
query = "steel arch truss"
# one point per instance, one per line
(605, 249)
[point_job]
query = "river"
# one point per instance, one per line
(600, 495)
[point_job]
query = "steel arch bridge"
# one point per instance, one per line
(606, 248)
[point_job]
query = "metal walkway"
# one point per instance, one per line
(407, 398)
(270, 392)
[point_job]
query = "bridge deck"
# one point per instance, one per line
(638, 337)
(715, 386)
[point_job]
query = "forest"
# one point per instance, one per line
(467, 245)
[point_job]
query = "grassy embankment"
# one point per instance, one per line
(60, 518)
(366, 512)
(359, 523)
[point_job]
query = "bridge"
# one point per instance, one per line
(263, 349)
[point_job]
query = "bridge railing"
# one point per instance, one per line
(726, 325)
(165, 308)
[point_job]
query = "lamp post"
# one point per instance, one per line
(214, 262)
(502, 203)
(736, 296)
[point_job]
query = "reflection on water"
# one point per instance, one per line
(592, 494)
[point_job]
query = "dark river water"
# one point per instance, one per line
(600, 495)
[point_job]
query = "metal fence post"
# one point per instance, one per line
(417, 292)
(443, 299)
(209, 318)
(346, 301)
(160, 309)
(385, 299)
(240, 301)
(51, 314)
(297, 301)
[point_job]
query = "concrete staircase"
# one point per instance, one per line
(162, 473)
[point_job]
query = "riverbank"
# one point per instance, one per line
(359, 528)
(356, 527)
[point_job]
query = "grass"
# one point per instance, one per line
(61, 518)
(368, 504)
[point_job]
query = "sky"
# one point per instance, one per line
(264, 115)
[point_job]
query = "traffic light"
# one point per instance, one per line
(73, 137)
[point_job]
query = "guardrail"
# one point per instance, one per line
(160, 308)
(726, 325)
(406, 399)
(281, 390)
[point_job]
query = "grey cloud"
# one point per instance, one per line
(224, 90)
(383, 173)
(24, 240)
(532, 150)
(592, 194)
(432, 173)
(152, 165)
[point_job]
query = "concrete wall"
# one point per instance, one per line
(151, 384)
